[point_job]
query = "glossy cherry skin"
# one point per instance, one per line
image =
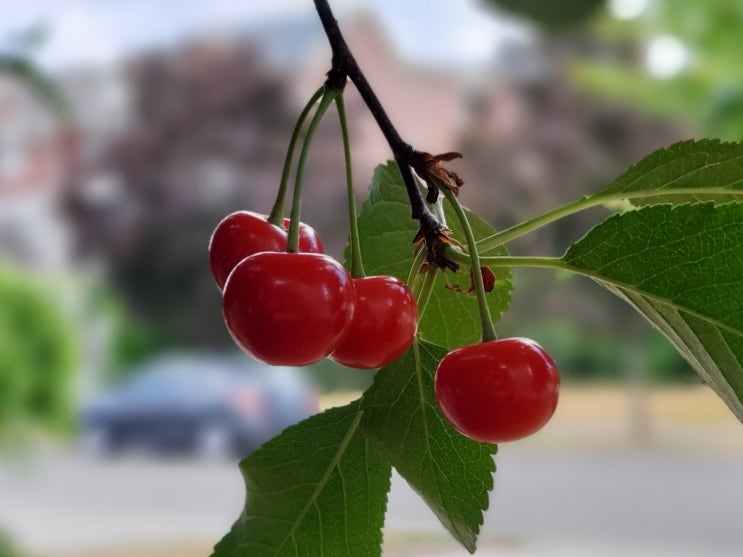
(497, 391)
(239, 235)
(383, 326)
(288, 308)
(309, 240)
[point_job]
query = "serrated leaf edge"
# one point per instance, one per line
(458, 535)
(652, 168)
(624, 286)
(424, 417)
(352, 429)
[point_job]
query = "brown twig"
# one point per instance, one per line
(408, 159)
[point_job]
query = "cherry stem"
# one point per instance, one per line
(328, 94)
(424, 294)
(486, 321)
(357, 262)
(277, 212)
(405, 156)
(415, 269)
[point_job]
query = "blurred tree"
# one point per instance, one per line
(16, 60)
(38, 348)
(680, 60)
(7, 547)
(38, 354)
(535, 142)
(550, 14)
(209, 130)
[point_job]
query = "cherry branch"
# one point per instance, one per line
(345, 63)
(344, 66)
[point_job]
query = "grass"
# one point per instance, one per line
(616, 417)
(685, 418)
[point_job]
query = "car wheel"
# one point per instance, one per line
(214, 441)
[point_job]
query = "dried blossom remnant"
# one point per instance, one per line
(436, 242)
(433, 172)
(488, 279)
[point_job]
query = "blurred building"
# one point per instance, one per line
(34, 146)
(204, 127)
(171, 139)
(426, 104)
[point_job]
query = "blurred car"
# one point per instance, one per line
(213, 406)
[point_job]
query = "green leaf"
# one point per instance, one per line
(450, 472)
(704, 170)
(386, 234)
(682, 268)
(319, 488)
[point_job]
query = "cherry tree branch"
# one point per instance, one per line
(344, 62)
(344, 66)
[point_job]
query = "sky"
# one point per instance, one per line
(84, 32)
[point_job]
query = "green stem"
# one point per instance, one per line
(486, 321)
(292, 243)
(426, 289)
(505, 236)
(277, 212)
(523, 261)
(587, 202)
(458, 256)
(415, 268)
(357, 262)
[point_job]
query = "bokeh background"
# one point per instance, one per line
(127, 131)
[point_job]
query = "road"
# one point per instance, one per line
(572, 504)
(544, 504)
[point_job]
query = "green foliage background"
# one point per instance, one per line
(706, 95)
(549, 14)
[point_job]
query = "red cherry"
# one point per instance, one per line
(384, 322)
(497, 391)
(288, 308)
(309, 240)
(239, 235)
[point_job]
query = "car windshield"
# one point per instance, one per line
(187, 375)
